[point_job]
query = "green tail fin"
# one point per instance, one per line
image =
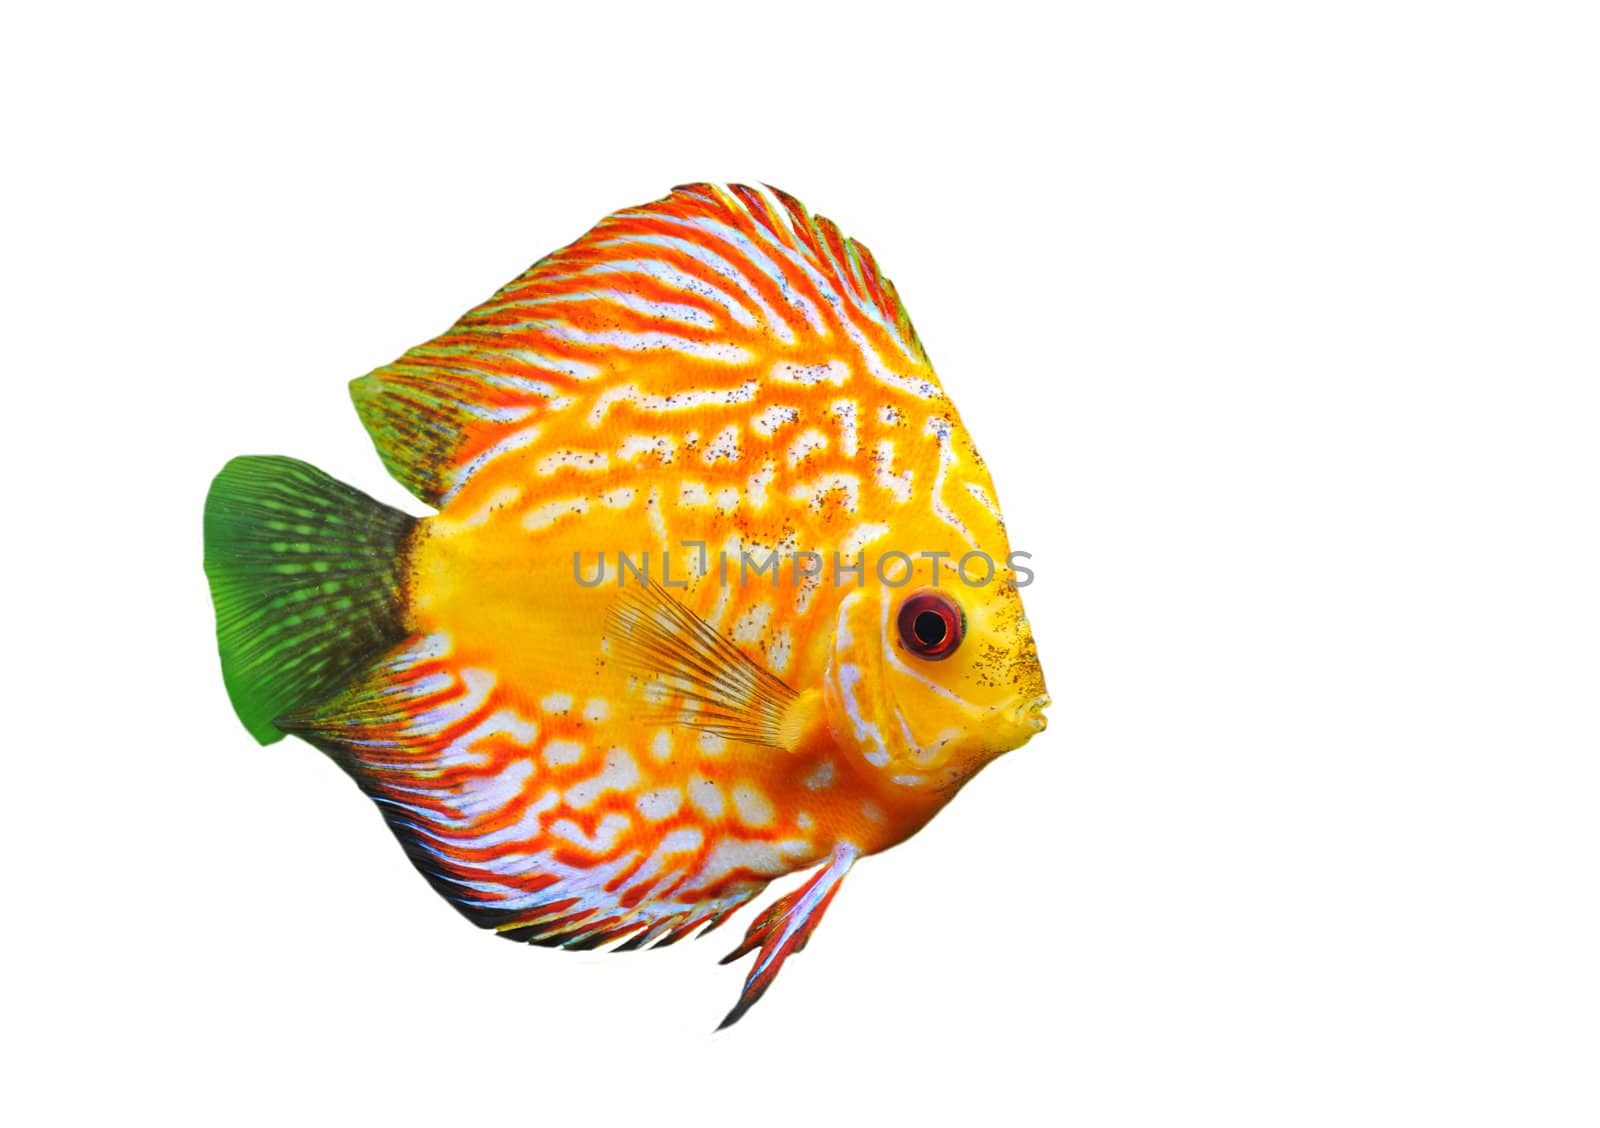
(306, 577)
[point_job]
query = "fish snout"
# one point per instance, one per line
(1030, 714)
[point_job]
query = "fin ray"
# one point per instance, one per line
(720, 690)
(305, 576)
(783, 929)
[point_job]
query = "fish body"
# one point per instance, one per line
(717, 589)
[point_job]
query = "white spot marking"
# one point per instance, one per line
(867, 733)
(525, 829)
(577, 369)
(984, 499)
(515, 441)
(810, 441)
(753, 807)
(677, 401)
(652, 341)
(559, 752)
(675, 279)
(659, 803)
(734, 853)
(778, 651)
(682, 840)
(503, 496)
(476, 685)
(619, 774)
(658, 522)
(816, 492)
(605, 835)
(773, 419)
(695, 249)
(635, 445)
(884, 475)
(725, 447)
(481, 795)
(845, 412)
(834, 372)
(502, 723)
(756, 487)
(750, 626)
(552, 511)
(857, 539)
(940, 427)
(707, 796)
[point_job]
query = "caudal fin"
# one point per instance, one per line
(306, 576)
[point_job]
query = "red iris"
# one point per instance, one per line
(931, 625)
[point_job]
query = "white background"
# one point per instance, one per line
(1277, 324)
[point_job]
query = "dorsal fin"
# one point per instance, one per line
(697, 294)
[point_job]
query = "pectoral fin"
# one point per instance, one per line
(719, 689)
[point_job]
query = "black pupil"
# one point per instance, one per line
(929, 628)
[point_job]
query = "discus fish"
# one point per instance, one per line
(717, 588)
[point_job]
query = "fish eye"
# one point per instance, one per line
(931, 625)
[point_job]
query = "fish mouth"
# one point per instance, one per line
(1030, 714)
